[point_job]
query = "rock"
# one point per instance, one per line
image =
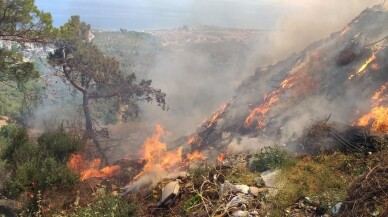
(183, 176)
(169, 194)
(254, 191)
(240, 213)
(269, 177)
(10, 207)
(259, 181)
(236, 202)
(242, 188)
(227, 187)
(254, 213)
(336, 208)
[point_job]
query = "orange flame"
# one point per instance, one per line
(192, 139)
(288, 82)
(364, 66)
(89, 169)
(195, 156)
(345, 30)
(378, 97)
(259, 112)
(377, 118)
(156, 153)
(299, 82)
(221, 157)
(217, 115)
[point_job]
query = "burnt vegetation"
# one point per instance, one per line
(266, 152)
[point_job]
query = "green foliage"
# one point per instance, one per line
(191, 202)
(37, 165)
(13, 67)
(4, 174)
(98, 77)
(271, 158)
(19, 98)
(40, 174)
(325, 178)
(17, 140)
(58, 144)
(22, 21)
(107, 205)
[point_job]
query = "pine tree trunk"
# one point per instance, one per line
(88, 116)
(89, 133)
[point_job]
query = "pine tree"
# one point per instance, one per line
(97, 77)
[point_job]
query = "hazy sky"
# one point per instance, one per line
(154, 14)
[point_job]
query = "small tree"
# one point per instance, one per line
(83, 66)
(21, 22)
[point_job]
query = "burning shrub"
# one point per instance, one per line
(271, 158)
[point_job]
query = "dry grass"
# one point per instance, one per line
(325, 177)
(368, 196)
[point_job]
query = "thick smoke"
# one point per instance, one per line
(198, 79)
(196, 83)
(341, 101)
(306, 21)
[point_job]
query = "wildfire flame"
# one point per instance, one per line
(221, 157)
(217, 115)
(378, 97)
(192, 139)
(155, 153)
(195, 156)
(89, 169)
(345, 30)
(377, 118)
(299, 81)
(364, 66)
(260, 112)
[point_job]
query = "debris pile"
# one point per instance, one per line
(325, 136)
(227, 189)
(368, 196)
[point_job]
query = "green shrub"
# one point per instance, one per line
(271, 158)
(4, 174)
(191, 202)
(40, 174)
(58, 144)
(15, 138)
(325, 178)
(107, 205)
(37, 165)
